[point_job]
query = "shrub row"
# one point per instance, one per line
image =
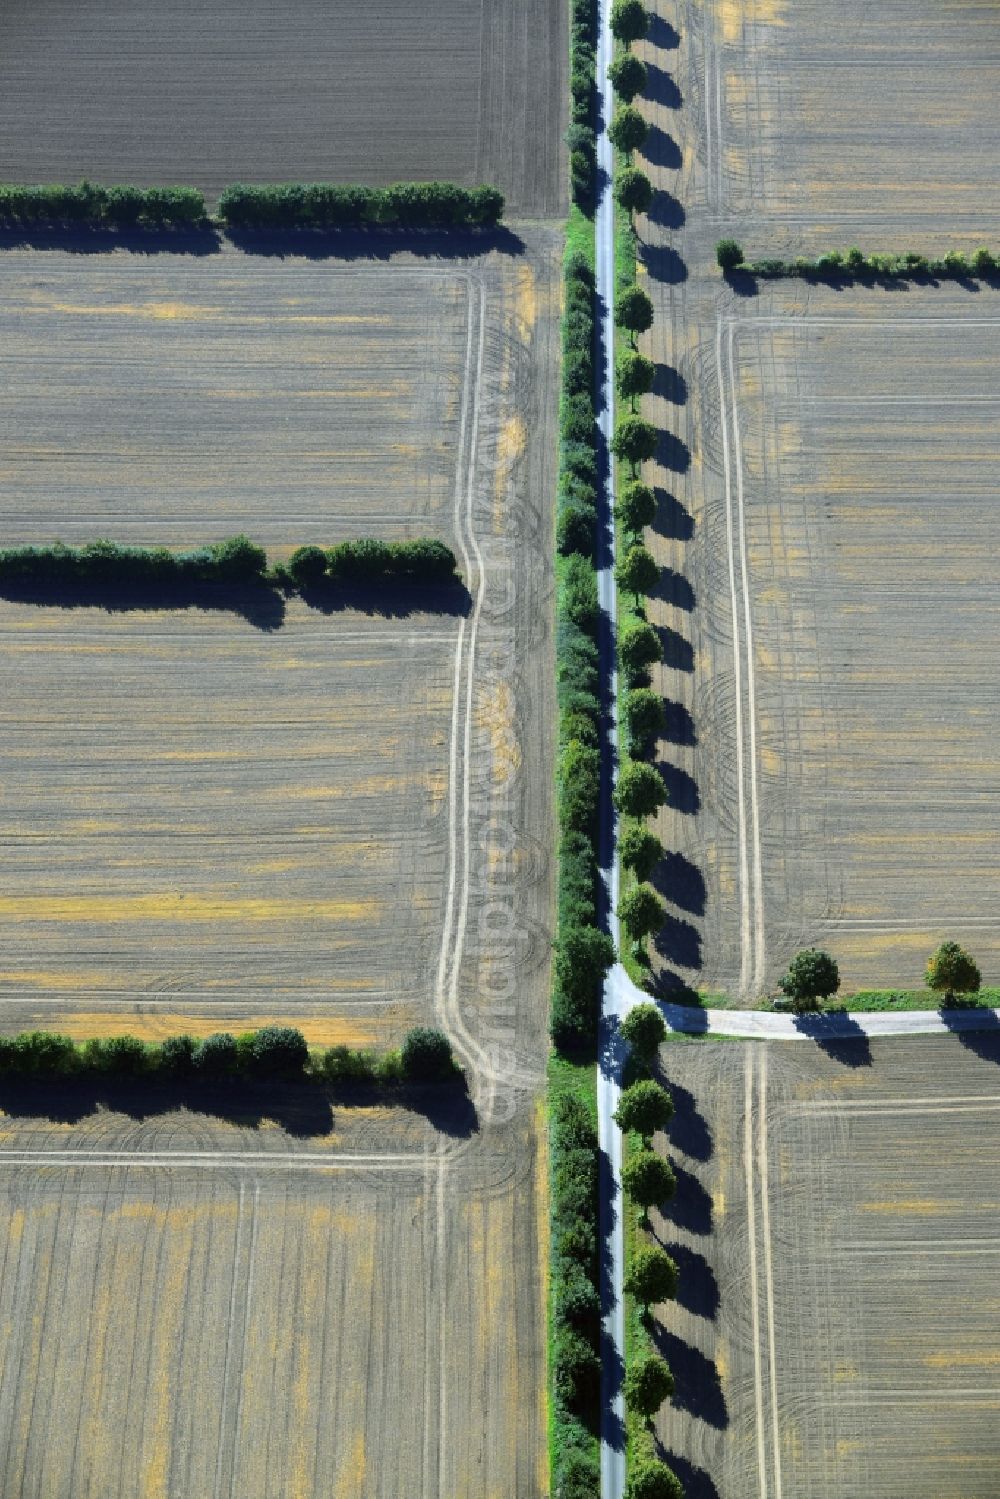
(323, 205)
(583, 952)
(576, 1301)
(853, 263)
(236, 560)
(103, 207)
(581, 137)
(269, 1053)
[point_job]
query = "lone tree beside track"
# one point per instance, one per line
(812, 976)
(652, 1480)
(951, 970)
(637, 572)
(634, 441)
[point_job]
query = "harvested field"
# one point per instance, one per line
(267, 804)
(171, 91)
(836, 1329)
(354, 1313)
(828, 126)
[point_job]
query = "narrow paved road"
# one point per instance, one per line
(612, 1235)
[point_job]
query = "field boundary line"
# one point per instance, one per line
(247, 1302)
(765, 1208)
(840, 1105)
(224, 1401)
(441, 1249)
(251, 1160)
(806, 320)
(741, 814)
(748, 1154)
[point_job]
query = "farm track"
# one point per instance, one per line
(835, 1217)
(174, 92)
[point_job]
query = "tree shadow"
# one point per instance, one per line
(612, 1368)
(390, 600)
(661, 150)
(695, 1482)
(678, 653)
(675, 589)
(697, 1287)
(839, 1035)
(743, 283)
(697, 1386)
(78, 240)
(375, 244)
(976, 1028)
(681, 882)
(690, 1207)
(666, 210)
(672, 453)
(689, 1129)
(663, 263)
(679, 942)
(672, 521)
(661, 87)
(682, 788)
(678, 725)
(670, 384)
(261, 606)
(662, 34)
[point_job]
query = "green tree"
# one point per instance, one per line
(640, 790)
(577, 1369)
(648, 1179)
(627, 130)
(635, 507)
(812, 975)
(628, 76)
(641, 911)
(634, 310)
(629, 20)
(729, 254)
(951, 970)
(648, 1382)
(638, 647)
(634, 375)
(643, 715)
(426, 1055)
(578, 1476)
(634, 440)
(649, 1479)
(279, 1051)
(644, 1030)
(307, 566)
(651, 1276)
(216, 1055)
(637, 572)
(633, 190)
(176, 1056)
(644, 1107)
(983, 261)
(640, 850)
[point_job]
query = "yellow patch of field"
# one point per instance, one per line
(495, 714)
(176, 907)
(526, 303)
(324, 1030)
(351, 1478)
(964, 1358)
(925, 1206)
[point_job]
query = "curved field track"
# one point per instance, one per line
(165, 91)
(837, 1325)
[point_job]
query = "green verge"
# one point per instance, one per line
(638, 1343)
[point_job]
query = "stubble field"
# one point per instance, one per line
(836, 1328)
(180, 92)
(825, 520)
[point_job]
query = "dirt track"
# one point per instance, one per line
(174, 91)
(837, 1323)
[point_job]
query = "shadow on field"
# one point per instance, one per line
(697, 1386)
(662, 34)
(672, 453)
(80, 241)
(984, 1040)
(678, 725)
(674, 589)
(663, 263)
(839, 1035)
(697, 1287)
(678, 653)
(670, 385)
(661, 87)
(681, 882)
(678, 941)
(689, 1129)
(695, 1482)
(682, 788)
(302, 1109)
(395, 600)
(666, 211)
(262, 607)
(690, 1207)
(660, 149)
(672, 522)
(375, 244)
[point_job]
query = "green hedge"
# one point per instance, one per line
(852, 263)
(324, 205)
(103, 207)
(274, 1052)
(581, 137)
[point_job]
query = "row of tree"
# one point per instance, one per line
(854, 263)
(581, 138)
(813, 976)
(95, 207)
(273, 1052)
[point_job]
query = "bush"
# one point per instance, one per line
(216, 1055)
(648, 1382)
(579, 780)
(628, 76)
(627, 130)
(576, 530)
(640, 850)
(650, 1479)
(644, 1030)
(983, 262)
(177, 1056)
(640, 790)
(729, 254)
(644, 1107)
(950, 971)
(634, 440)
(576, 1369)
(343, 1064)
(106, 564)
(323, 205)
(651, 1276)
(103, 207)
(629, 20)
(634, 310)
(578, 595)
(120, 1056)
(578, 1476)
(633, 190)
(426, 1055)
(577, 880)
(278, 1051)
(583, 956)
(812, 975)
(647, 1179)
(39, 1054)
(423, 560)
(635, 507)
(307, 566)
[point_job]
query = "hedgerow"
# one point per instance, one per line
(581, 137)
(96, 207)
(853, 264)
(325, 205)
